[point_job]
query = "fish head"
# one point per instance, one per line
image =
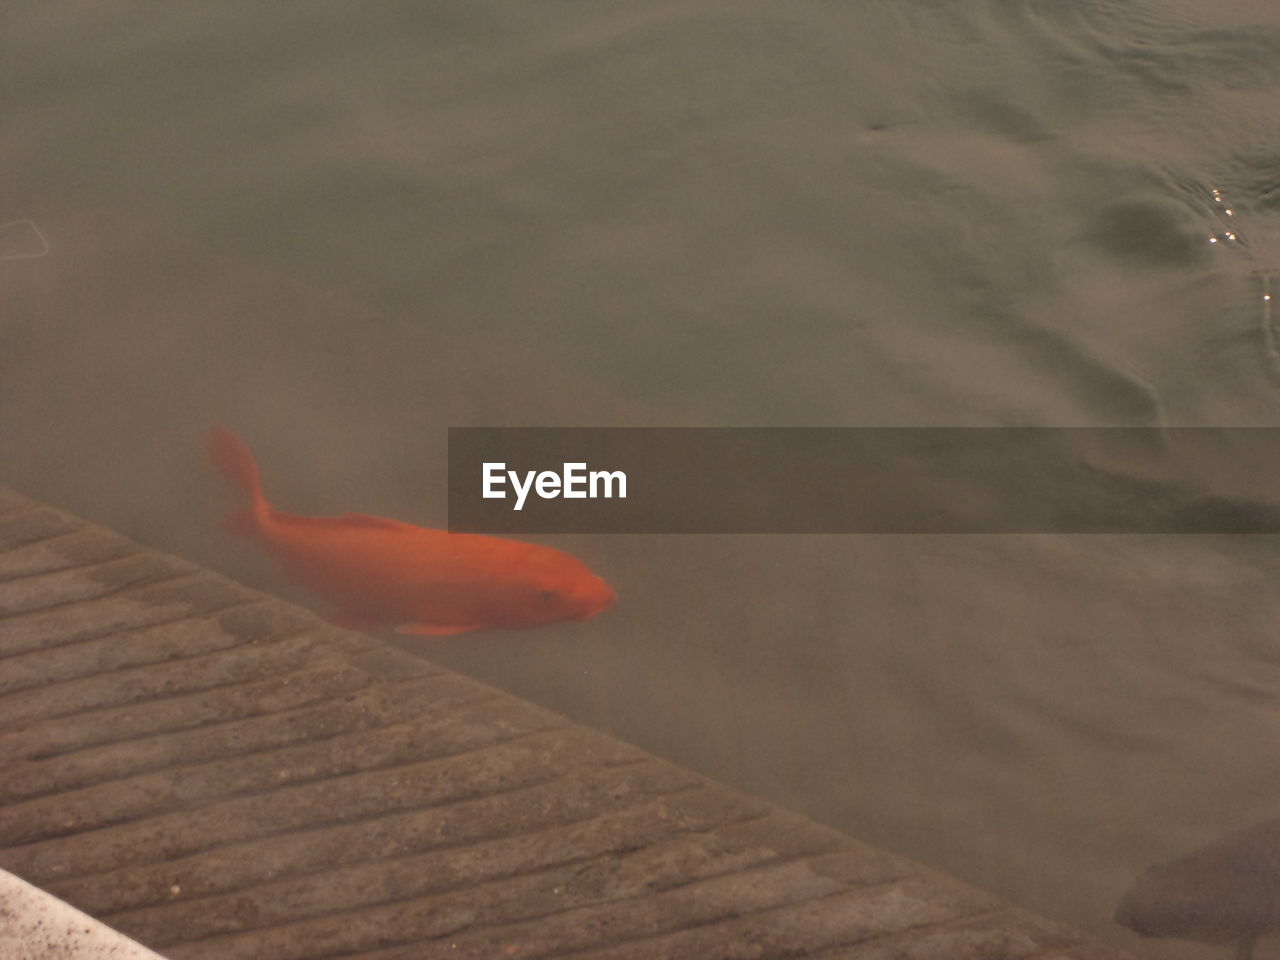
(591, 595)
(563, 589)
(578, 598)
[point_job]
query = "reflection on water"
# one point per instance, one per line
(343, 231)
(1230, 234)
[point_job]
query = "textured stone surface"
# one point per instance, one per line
(36, 926)
(221, 775)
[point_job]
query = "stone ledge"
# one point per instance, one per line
(219, 774)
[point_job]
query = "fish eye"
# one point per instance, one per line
(546, 594)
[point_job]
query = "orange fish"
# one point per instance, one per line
(383, 572)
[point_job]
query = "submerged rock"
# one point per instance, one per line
(1227, 892)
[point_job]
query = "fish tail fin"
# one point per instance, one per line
(233, 460)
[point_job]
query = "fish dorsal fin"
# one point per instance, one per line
(348, 521)
(365, 520)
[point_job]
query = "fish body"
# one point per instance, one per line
(432, 582)
(1227, 892)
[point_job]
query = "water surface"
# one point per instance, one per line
(342, 229)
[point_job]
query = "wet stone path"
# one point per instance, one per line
(223, 776)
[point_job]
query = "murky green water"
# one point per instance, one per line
(342, 228)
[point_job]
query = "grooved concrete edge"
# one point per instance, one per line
(37, 926)
(687, 868)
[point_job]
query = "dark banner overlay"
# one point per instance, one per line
(864, 480)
